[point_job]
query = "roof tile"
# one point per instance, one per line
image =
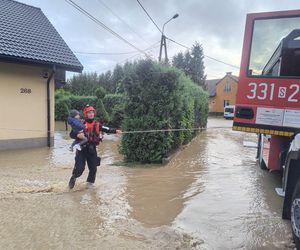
(27, 33)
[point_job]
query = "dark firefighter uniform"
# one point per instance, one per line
(88, 154)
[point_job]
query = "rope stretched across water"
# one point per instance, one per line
(130, 132)
(169, 130)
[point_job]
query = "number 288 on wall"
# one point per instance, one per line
(264, 91)
(25, 91)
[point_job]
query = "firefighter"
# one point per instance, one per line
(88, 154)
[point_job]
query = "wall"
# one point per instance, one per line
(212, 104)
(221, 95)
(23, 116)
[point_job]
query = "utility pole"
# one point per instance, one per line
(163, 43)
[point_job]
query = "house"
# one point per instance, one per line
(32, 53)
(222, 92)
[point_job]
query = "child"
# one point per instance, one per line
(77, 130)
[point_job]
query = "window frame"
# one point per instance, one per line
(250, 49)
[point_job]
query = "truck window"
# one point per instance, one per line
(275, 48)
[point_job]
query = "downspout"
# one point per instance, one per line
(48, 107)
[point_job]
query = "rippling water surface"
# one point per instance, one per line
(211, 195)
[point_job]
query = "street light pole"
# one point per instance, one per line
(163, 42)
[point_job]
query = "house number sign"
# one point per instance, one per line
(25, 91)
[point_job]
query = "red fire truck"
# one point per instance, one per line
(268, 100)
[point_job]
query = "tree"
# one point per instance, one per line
(120, 88)
(178, 61)
(196, 65)
(83, 84)
(187, 62)
(61, 93)
(87, 83)
(117, 77)
(101, 112)
(192, 64)
(105, 81)
(108, 81)
(100, 93)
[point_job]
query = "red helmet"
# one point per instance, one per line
(87, 109)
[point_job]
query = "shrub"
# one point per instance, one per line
(64, 102)
(101, 113)
(160, 97)
(61, 93)
(100, 93)
(112, 100)
(79, 102)
(62, 108)
(114, 105)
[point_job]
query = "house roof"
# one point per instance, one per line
(236, 78)
(27, 36)
(212, 84)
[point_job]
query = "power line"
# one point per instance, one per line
(122, 61)
(178, 43)
(98, 22)
(128, 58)
(122, 20)
(149, 16)
(115, 53)
(104, 53)
(217, 60)
(119, 62)
(209, 57)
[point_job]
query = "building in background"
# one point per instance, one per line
(33, 57)
(222, 92)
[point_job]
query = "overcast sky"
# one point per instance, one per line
(217, 24)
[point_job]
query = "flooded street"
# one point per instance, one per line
(211, 195)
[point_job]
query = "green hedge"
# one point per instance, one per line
(62, 108)
(114, 105)
(160, 97)
(79, 102)
(64, 103)
(110, 108)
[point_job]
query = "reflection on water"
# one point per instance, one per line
(157, 195)
(210, 196)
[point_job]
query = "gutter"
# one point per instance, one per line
(33, 62)
(48, 107)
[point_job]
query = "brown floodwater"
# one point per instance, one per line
(211, 195)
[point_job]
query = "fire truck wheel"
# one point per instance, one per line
(261, 162)
(262, 165)
(295, 214)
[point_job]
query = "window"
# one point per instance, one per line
(227, 87)
(229, 110)
(275, 47)
(226, 103)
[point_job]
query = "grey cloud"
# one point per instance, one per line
(218, 25)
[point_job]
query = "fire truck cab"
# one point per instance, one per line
(268, 100)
